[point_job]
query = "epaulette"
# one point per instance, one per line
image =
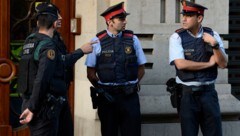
(208, 30)
(127, 33)
(101, 34)
(179, 30)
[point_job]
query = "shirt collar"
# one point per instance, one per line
(114, 36)
(199, 34)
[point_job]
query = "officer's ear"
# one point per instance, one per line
(55, 24)
(200, 18)
(108, 22)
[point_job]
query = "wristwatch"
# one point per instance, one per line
(216, 46)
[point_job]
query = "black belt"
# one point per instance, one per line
(128, 89)
(197, 89)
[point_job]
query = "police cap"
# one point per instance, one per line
(115, 11)
(47, 8)
(190, 8)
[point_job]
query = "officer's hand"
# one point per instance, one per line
(212, 61)
(87, 48)
(26, 116)
(209, 39)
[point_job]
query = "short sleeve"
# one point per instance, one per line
(175, 48)
(139, 51)
(220, 42)
(92, 57)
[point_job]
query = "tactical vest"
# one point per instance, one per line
(196, 50)
(28, 64)
(117, 61)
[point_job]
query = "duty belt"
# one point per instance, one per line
(198, 89)
(59, 99)
(127, 89)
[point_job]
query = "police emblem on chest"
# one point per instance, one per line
(128, 50)
(188, 52)
(107, 53)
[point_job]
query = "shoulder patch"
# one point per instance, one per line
(128, 33)
(51, 54)
(179, 30)
(101, 34)
(208, 30)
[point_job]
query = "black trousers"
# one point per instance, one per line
(200, 108)
(61, 125)
(121, 115)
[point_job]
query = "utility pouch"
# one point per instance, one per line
(131, 89)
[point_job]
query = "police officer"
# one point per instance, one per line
(66, 116)
(66, 122)
(197, 52)
(41, 76)
(116, 65)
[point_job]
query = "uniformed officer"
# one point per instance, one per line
(66, 116)
(66, 122)
(41, 76)
(197, 52)
(116, 65)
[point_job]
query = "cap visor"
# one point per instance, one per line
(188, 13)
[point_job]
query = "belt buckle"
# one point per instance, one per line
(196, 88)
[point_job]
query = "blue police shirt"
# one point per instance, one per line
(176, 52)
(92, 57)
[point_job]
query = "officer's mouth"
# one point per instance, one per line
(184, 24)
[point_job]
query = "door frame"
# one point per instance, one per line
(5, 128)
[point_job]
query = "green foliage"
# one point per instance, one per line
(16, 48)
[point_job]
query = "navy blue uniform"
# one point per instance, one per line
(116, 60)
(116, 66)
(199, 102)
(42, 67)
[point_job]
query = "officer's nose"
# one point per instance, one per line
(125, 21)
(183, 18)
(59, 16)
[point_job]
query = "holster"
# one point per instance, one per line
(51, 107)
(175, 91)
(94, 97)
(96, 93)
